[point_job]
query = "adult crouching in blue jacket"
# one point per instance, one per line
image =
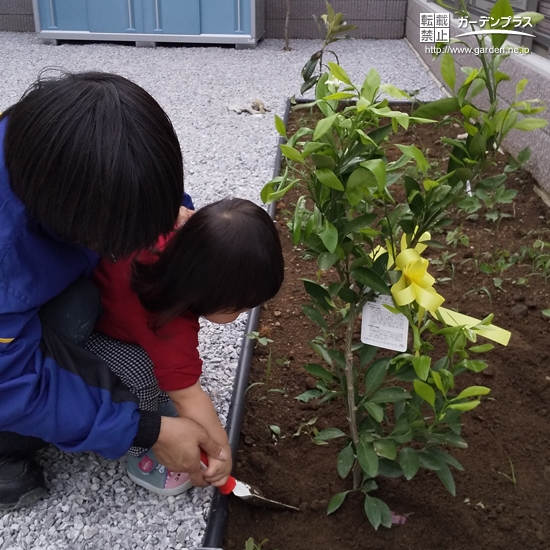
(90, 166)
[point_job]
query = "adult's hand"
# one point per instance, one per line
(178, 447)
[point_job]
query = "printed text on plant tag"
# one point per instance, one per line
(382, 328)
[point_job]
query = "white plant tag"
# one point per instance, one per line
(382, 328)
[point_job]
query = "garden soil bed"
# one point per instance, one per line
(503, 494)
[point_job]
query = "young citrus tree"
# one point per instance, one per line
(402, 406)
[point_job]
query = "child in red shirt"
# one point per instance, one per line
(224, 260)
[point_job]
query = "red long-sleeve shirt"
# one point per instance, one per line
(173, 349)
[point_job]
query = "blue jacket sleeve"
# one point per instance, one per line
(55, 390)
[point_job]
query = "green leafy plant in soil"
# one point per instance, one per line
(511, 424)
(333, 29)
(363, 217)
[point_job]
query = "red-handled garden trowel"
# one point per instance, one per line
(247, 492)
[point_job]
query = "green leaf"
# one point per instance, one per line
(321, 351)
(475, 366)
(378, 168)
(339, 96)
(501, 10)
(276, 189)
(371, 85)
(320, 372)
(367, 458)
(532, 17)
(280, 126)
(415, 153)
(359, 184)
(328, 434)
(390, 395)
(360, 222)
(429, 461)
(468, 406)
(373, 511)
(328, 177)
(391, 90)
(375, 375)
(319, 293)
(448, 459)
(371, 279)
(448, 71)
(421, 365)
(326, 260)
(385, 448)
(377, 512)
(478, 146)
(308, 395)
(339, 73)
(409, 462)
(446, 477)
(315, 316)
(528, 124)
(376, 411)
(329, 236)
(323, 161)
(425, 391)
(291, 153)
(438, 108)
(367, 354)
(345, 460)
(309, 67)
(438, 382)
(323, 126)
(473, 391)
(478, 85)
(336, 501)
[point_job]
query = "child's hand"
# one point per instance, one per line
(183, 215)
(218, 471)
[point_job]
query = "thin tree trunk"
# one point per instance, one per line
(286, 47)
(350, 383)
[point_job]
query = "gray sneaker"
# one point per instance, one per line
(146, 472)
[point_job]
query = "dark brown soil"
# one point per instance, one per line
(503, 495)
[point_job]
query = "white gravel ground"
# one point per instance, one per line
(92, 504)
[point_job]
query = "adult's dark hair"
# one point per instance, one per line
(226, 258)
(96, 160)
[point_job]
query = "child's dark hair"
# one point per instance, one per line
(226, 258)
(96, 160)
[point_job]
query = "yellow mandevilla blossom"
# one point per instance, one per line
(415, 284)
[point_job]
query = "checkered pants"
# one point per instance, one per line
(132, 365)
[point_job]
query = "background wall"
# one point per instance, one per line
(16, 15)
(374, 18)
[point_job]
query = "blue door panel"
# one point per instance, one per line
(113, 15)
(171, 16)
(67, 15)
(225, 16)
(183, 17)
